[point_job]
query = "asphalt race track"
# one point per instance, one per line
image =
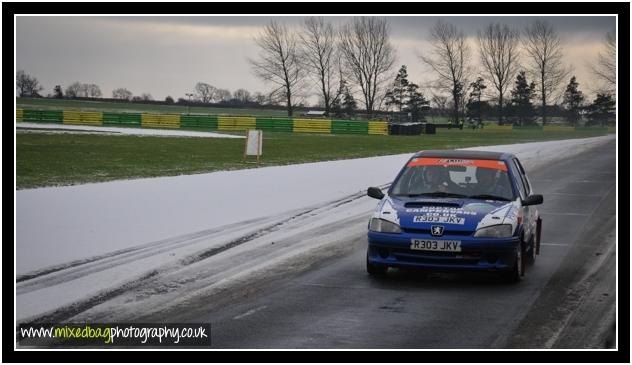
(566, 300)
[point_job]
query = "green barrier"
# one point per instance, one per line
(122, 119)
(31, 115)
(198, 121)
(44, 116)
(275, 124)
(53, 116)
(349, 127)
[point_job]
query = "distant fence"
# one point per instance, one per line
(230, 123)
(203, 122)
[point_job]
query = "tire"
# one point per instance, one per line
(535, 243)
(375, 270)
(517, 271)
(531, 254)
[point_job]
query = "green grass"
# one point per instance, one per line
(58, 104)
(48, 159)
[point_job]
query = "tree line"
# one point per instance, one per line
(205, 94)
(357, 58)
(520, 77)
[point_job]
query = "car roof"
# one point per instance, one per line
(480, 155)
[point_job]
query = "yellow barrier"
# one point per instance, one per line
(79, 117)
(236, 123)
(19, 114)
(378, 128)
(312, 126)
(160, 121)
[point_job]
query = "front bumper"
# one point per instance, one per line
(482, 254)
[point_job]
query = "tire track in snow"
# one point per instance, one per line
(73, 270)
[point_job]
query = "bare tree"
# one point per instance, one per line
(93, 90)
(321, 57)
(223, 95)
(26, 84)
(84, 90)
(440, 102)
(606, 67)
(146, 97)
(368, 57)
(205, 92)
(120, 93)
(543, 46)
(279, 62)
(242, 95)
(259, 98)
(498, 45)
(74, 90)
(449, 58)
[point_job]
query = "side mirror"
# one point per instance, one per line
(533, 200)
(375, 193)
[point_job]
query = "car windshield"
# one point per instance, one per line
(459, 178)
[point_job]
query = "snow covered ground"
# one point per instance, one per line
(65, 128)
(167, 226)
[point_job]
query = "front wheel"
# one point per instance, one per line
(535, 245)
(517, 272)
(531, 252)
(375, 269)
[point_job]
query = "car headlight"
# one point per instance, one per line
(497, 231)
(381, 225)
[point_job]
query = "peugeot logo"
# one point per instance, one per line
(436, 230)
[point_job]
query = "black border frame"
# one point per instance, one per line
(438, 356)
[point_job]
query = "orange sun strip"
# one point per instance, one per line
(433, 161)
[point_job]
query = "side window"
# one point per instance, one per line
(518, 179)
(523, 175)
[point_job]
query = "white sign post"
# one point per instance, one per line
(254, 143)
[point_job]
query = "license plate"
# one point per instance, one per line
(435, 245)
(440, 219)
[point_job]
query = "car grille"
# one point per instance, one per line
(433, 257)
(445, 233)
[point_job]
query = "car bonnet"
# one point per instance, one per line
(464, 215)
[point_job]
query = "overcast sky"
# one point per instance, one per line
(169, 55)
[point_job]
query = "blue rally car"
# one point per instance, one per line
(456, 210)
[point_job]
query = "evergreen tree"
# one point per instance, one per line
(573, 100)
(602, 110)
(336, 102)
(474, 104)
(416, 104)
(396, 96)
(521, 97)
(349, 104)
(58, 92)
